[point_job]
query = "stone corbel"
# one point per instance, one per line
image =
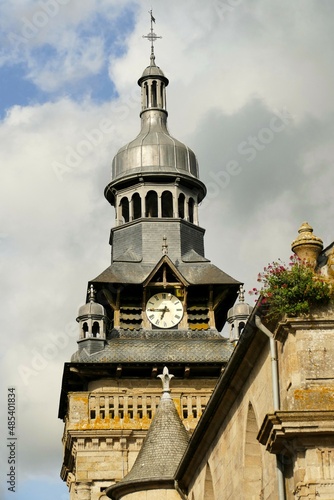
(279, 429)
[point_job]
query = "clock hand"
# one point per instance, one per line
(159, 310)
(165, 309)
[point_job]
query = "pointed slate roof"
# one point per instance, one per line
(161, 452)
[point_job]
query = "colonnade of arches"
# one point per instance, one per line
(153, 94)
(95, 330)
(153, 205)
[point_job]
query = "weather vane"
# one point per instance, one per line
(152, 37)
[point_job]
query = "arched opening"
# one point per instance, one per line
(181, 201)
(125, 209)
(208, 485)
(167, 204)
(146, 94)
(241, 326)
(151, 204)
(136, 205)
(85, 329)
(95, 329)
(154, 94)
(191, 204)
(253, 461)
(162, 96)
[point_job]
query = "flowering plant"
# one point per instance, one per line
(292, 289)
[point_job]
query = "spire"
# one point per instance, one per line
(152, 37)
(161, 452)
(153, 81)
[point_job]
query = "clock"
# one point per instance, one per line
(164, 310)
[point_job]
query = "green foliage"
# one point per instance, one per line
(292, 289)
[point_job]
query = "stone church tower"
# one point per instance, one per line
(160, 302)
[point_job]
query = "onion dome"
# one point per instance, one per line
(307, 246)
(154, 149)
(154, 155)
(154, 152)
(238, 315)
(92, 308)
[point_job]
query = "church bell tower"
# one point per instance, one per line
(160, 302)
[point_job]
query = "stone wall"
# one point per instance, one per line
(303, 430)
(242, 459)
(236, 465)
(106, 425)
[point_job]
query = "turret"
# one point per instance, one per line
(92, 321)
(238, 315)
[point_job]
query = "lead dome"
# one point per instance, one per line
(91, 308)
(154, 150)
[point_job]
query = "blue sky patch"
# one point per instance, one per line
(17, 90)
(19, 87)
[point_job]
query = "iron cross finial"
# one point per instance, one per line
(152, 37)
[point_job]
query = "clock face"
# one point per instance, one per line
(164, 310)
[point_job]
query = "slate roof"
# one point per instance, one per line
(196, 273)
(159, 350)
(160, 454)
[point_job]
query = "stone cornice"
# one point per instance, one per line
(282, 426)
(102, 434)
(317, 321)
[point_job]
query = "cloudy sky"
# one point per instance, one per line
(251, 92)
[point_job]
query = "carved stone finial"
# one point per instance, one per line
(165, 377)
(307, 246)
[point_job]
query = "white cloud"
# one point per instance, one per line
(76, 59)
(58, 40)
